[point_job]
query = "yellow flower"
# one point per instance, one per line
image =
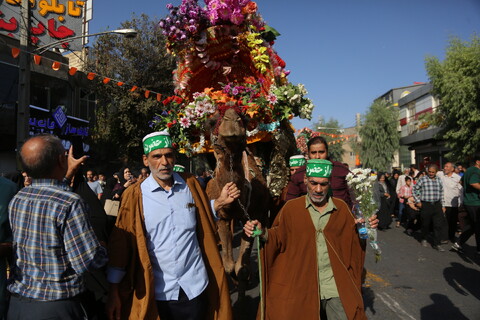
(252, 39)
(262, 58)
(261, 67)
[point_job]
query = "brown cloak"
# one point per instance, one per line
(128, 250)
(289, 263)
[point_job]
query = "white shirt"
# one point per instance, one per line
(452, 190)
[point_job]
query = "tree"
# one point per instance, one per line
(456, 82)
(122, 116)
(379, 136)
(332, 128)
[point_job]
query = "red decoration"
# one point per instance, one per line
(159, 97)
(147, 93)
(106, 80)
(91, 76)
(119, 83)
(56, 65)
(72, 71)
(15, 52)
(133, 88)
(37, 59)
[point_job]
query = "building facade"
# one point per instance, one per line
(416, 132)
(50, 87)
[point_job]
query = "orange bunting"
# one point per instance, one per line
(106, 80)
(159, 97)
(119, 83)
(15, 53)
(56, 65)
(91, 76)
(147, 93)
(133, 88)
(72, 71)
(37, 59)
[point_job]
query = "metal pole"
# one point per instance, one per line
(23, 107)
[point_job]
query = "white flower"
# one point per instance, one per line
(302, 89)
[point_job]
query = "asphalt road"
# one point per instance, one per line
(414, 282)
(409, 282)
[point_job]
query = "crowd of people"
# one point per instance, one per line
(161, 242)
(437, 203)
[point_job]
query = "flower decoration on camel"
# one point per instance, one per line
(225, 59)
(361, 182)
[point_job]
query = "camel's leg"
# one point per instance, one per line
(242, 266)
(225, 234)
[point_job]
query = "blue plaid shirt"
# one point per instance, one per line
(53, 242)
(428, 189)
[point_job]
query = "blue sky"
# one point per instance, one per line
(346, 52)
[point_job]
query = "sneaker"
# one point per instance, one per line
(424, 243)
(444, 241)
(456, 247)
(409, 232)
(439, 248)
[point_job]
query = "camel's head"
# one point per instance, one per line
(230, 127)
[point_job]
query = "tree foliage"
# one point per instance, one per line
(122, 116)
(335, 144)
(456, 82)
(379, 136)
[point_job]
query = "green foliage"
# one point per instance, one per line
(122, 117)
(335, 150)
(456, 82)
(379, 136)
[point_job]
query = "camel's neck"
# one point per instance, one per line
(230, 158)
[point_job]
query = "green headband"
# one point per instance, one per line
(319, 168)
(156, 140)
(178, 168)
(297, 161)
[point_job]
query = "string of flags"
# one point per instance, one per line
(56, 65)
(311, 133)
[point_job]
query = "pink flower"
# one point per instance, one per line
(190, 112)
(237, 17)
(224, 13)
(213, 16)
(185, 122)
(272, 98)
(210, 108)
(200, 110)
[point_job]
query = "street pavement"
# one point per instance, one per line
(409, 282)
(414, 282)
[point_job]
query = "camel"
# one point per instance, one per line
(235, 163)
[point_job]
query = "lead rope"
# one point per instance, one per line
(256, 234)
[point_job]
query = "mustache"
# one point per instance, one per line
(321, 194)
(165, 168)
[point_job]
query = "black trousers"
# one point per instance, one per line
(183, 309)
(413, 218)
(472, 227)
(21, 308)
(451, 214)
(432, 213)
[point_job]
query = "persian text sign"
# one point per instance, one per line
(52, 20)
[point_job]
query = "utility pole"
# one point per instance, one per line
(23, 107)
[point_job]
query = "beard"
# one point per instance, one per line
(317, 198)
(162, 174)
